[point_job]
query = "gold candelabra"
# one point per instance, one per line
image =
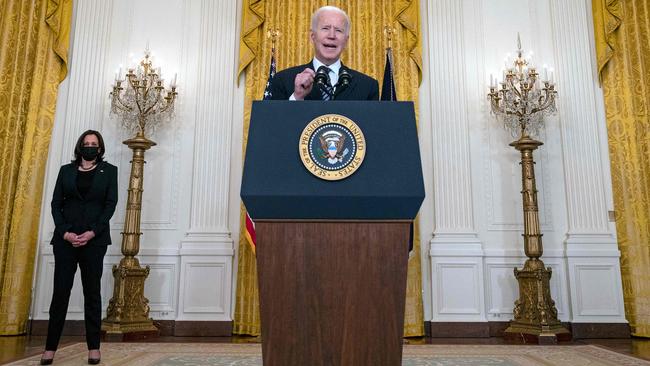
(142, 104)
(521, 102)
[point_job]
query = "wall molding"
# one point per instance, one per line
(432, 329)
(497, 328)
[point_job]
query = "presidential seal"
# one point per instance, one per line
(332, 147)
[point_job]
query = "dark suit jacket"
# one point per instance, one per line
(73, 213)
(362, 87)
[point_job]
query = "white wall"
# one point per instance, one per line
(471, 219)
(473, 209)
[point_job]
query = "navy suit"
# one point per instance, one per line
(77, 214)
(362, 87)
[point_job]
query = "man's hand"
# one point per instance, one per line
(303, 84)
(83, 239)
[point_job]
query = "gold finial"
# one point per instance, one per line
(388, 32)
(273, 34)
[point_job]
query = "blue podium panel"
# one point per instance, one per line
(387, 185)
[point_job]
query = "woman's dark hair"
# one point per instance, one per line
(80, 144)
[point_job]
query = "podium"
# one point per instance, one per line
(332, 254)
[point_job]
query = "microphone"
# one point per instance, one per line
(344, 77)
(322, 77)
(344, 80)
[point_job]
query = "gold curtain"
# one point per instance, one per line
(366, 53)
(34, 39)
(622, 33)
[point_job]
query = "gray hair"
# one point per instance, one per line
(317, 13)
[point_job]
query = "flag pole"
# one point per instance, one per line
(273, 34)
(388, 92)
(388, 32)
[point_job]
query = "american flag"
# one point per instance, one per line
(250, 224)
(267, 91)
(250, 233)
(388, 93)
(388, 85)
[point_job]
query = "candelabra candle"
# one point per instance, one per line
(522, 101)
(142, 103)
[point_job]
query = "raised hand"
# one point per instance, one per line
(303, 84)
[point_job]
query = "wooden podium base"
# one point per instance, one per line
(332, 293)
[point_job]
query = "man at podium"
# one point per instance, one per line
(325, 77)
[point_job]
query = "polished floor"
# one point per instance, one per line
(13, 348)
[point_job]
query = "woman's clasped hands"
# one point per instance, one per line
(79, 240)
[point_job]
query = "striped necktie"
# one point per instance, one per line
(326, 90)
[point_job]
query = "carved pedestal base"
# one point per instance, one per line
(535, 313)
(130, 336)
(128, 310)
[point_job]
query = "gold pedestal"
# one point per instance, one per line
(128, 310)
(535, 312)
(127, 317)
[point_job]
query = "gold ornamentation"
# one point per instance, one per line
(522, 101)
(273, 34)
(128, 309)
(388, 32)
(143, 103)
(535, 312)
(332, 147)
(139, 107)
(521, 105)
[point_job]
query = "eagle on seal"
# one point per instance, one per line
(332, 143)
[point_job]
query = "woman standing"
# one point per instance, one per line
(84, 200)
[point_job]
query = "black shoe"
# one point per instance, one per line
(47, 361)
(92, 360)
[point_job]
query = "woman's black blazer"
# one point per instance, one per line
(73, 213)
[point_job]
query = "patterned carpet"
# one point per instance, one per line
(225, 354)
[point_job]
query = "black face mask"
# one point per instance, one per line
(89, 153)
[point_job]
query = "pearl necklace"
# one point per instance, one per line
(87, 169)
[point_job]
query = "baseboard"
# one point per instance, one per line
(601, 330)
(71, 328)
(496, 329)
(459, 330)
(180, 328)
(464, 329)
(176, 328)
(202, 329)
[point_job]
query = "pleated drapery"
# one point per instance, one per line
(34, 42)
(622, 33)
